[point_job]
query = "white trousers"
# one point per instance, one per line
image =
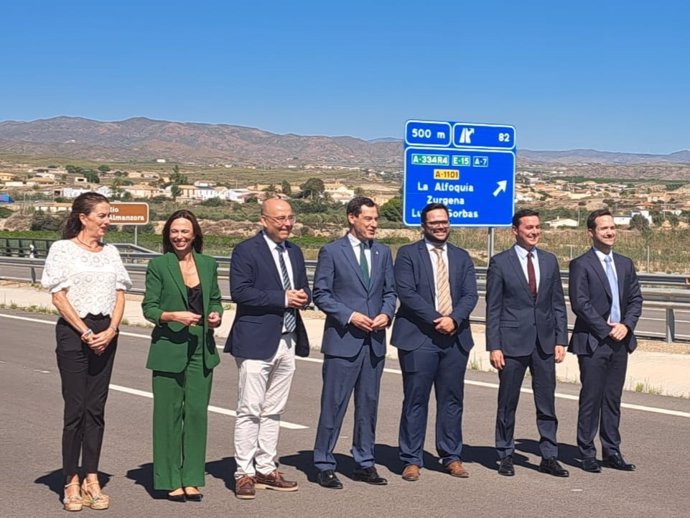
(263, 390)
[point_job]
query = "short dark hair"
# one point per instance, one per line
(355, 205)
(592, 218)
(82, 204)
(198, 243)
(523, 213)
(433, 206)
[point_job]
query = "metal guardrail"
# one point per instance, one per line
(661, 292)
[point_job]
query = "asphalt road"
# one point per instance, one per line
(655, 438)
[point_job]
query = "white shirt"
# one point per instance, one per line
(355, 247)
(90, 278)
(602, 259)
(434, 266)
(273, 247)
(522, 257)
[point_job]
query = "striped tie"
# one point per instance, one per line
(444, 304)
(289, 319)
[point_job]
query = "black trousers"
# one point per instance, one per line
(85, 380)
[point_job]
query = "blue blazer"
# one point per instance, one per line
(257, 289)
(590, 299)
(514, 320)
(339, 291)
(414, 278)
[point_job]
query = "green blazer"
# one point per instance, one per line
(166, 291)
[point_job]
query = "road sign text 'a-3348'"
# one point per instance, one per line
(468, 167)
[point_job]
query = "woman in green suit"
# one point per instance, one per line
(183, 300)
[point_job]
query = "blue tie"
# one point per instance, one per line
(289, 318)
(615, 316)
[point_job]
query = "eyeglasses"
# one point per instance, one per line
(282, 219)
(437, 224)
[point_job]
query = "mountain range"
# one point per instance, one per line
(140, 139)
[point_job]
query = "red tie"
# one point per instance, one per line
(531, 278)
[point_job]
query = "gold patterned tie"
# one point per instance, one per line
(445, 305)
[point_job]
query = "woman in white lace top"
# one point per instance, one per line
(88, 282)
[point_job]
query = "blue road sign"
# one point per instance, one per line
(471, 170)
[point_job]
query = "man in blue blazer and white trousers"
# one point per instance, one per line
(526, 327)
(437, 288)
(354, 286)
(268, 282)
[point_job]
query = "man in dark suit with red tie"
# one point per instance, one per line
(526, 327)
(606, 299)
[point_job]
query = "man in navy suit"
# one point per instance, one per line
(526, 327)
(437, 288)
(606, 299)
(354, 286)
(268, 282)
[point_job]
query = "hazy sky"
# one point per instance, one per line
(606, 74)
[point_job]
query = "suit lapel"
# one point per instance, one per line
(376, 259)
(292, 254)
(598, 268)
(543, 271)
(427, 268)
(519, 274)
(349, 252)
(620, 276)
(176, 274)
(205, 280)
(261, 248)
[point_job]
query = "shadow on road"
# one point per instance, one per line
(143, 476)
(223, 469)
(567, 453)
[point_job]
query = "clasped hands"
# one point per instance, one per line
(98, 342)
(297, 299)
(188, 318)
(363, 322)
(618, 331)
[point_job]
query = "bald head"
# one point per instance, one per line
(277, 219)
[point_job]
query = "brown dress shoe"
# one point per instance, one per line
(455, 469)
(244, 488)
(275, 481)
(411, 473)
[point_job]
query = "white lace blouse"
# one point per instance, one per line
(90, 278)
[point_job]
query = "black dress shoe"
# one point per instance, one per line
(329, 480)
(552, 467)
(591, 465)
(615, 461)
(177, 498)
(506, 468)
(369, 475)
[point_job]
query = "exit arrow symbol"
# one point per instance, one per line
(502, 186)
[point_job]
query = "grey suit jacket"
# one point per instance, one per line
(515, 321)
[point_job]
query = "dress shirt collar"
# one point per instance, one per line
(272, 244)
(355, 242)
(522, 252)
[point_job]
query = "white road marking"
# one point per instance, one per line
(292, 426)
(142, 393)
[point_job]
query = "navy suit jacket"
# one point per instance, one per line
(590, 299)
(414, 278)
(339, 291)
(257, 289)
(514, 319)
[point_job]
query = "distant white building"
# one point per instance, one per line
(562, 223)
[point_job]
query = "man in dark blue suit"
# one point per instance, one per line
(437, 288)
(526, 327)
(354, 286)
(268, 282)
(606, 299)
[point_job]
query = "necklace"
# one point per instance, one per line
(98, 243)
